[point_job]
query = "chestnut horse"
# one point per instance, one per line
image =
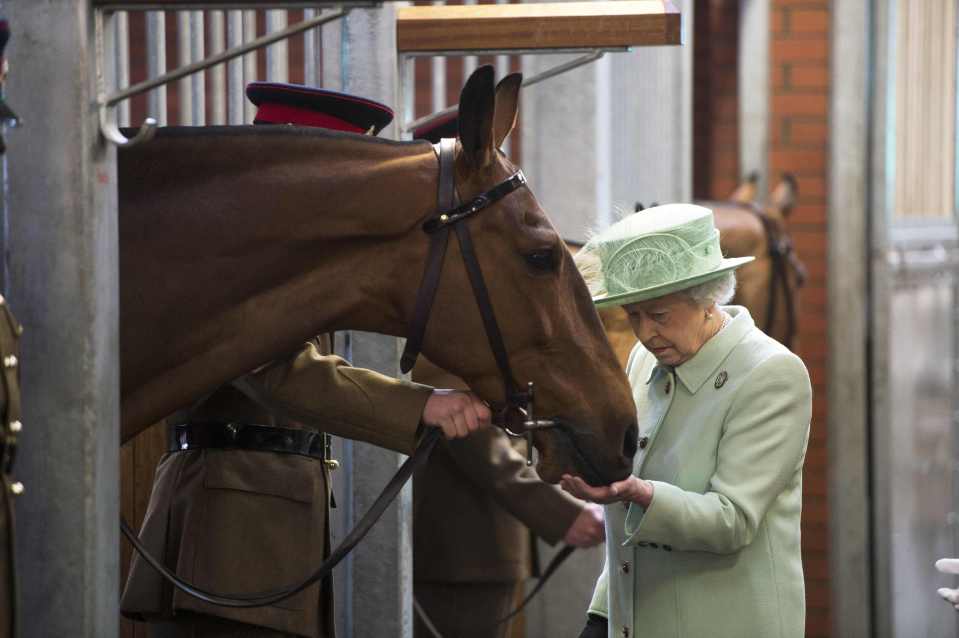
(769, 286)
(237, 244)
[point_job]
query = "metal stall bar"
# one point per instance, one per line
(502, 70)
(438, 68)
(122, 61)
(156, 64)
(277, 55)
(311, 48)
(249, 62)
(217, 73)
(185, 88)
(197, 80)
(535, 79)
(234, 68)
(195, 104)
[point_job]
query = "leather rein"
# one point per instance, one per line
(438, 227)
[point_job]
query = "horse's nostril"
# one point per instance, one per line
(630, 441)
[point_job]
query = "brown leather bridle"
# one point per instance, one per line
(438, 227)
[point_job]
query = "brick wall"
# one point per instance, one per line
(715, 100)
(799, 103)
(799, 94)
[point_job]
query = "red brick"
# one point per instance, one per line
(803, 160)
(799, 50)
(808, 213)
(818, 597)
(803, 3)
(812, 186)
(778, 20)
(808, 20)
(809, 76)
(816, 568)
(791, 103)
(779, 76)
(808, 131)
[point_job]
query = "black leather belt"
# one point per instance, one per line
(245, 436)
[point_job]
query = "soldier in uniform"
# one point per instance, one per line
(476, 509)
(240, 504)
(10, 331)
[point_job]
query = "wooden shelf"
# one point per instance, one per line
(173, 5)
(610, 24)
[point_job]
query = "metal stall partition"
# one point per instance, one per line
(914, 259)
(153, 45)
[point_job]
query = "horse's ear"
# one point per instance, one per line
(784, 196)
(507, 107)
(745, 193)
(477, 107)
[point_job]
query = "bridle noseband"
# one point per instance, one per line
(438, 226)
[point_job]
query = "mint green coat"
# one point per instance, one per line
(717, 553)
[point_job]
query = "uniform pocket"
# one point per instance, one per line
(254, 528)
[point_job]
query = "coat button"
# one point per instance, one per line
(643, 442)
(654, 545)
(625, 632)
(668, 548)
(625, 567)
(669, 386)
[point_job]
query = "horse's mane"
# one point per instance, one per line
(275, 130)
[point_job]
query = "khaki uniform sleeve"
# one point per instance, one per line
(491, 462)
(325, 392)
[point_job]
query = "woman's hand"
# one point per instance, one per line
(632, 490)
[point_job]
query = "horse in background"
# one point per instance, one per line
(768, 286)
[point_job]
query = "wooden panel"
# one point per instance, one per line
(561, 25)
(925, 110)
(138, 461)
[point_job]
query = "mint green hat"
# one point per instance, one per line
(653, 253)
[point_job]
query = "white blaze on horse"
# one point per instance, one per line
(237, 244)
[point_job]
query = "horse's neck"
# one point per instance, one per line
(237, 248)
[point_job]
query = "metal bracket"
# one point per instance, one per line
(588, 58)
(106, 103)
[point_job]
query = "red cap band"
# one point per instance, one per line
(273, 113)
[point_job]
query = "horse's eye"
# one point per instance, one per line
(541, 260)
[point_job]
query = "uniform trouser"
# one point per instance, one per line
(463, 610)
(200, 626)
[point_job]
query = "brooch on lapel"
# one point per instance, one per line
(721, 379)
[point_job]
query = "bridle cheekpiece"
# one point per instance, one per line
(438, 227)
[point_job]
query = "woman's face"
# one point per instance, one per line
(673, 327)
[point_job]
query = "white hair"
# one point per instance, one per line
(715, 291)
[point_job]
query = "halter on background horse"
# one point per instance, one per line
(239, 244)
(769, 286)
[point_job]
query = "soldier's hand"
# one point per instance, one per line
(457, 413)
(587, 530)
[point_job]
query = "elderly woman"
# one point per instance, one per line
(703, 538)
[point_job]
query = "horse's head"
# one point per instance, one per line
(550, 328)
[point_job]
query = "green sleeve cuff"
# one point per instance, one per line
(652, 524)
